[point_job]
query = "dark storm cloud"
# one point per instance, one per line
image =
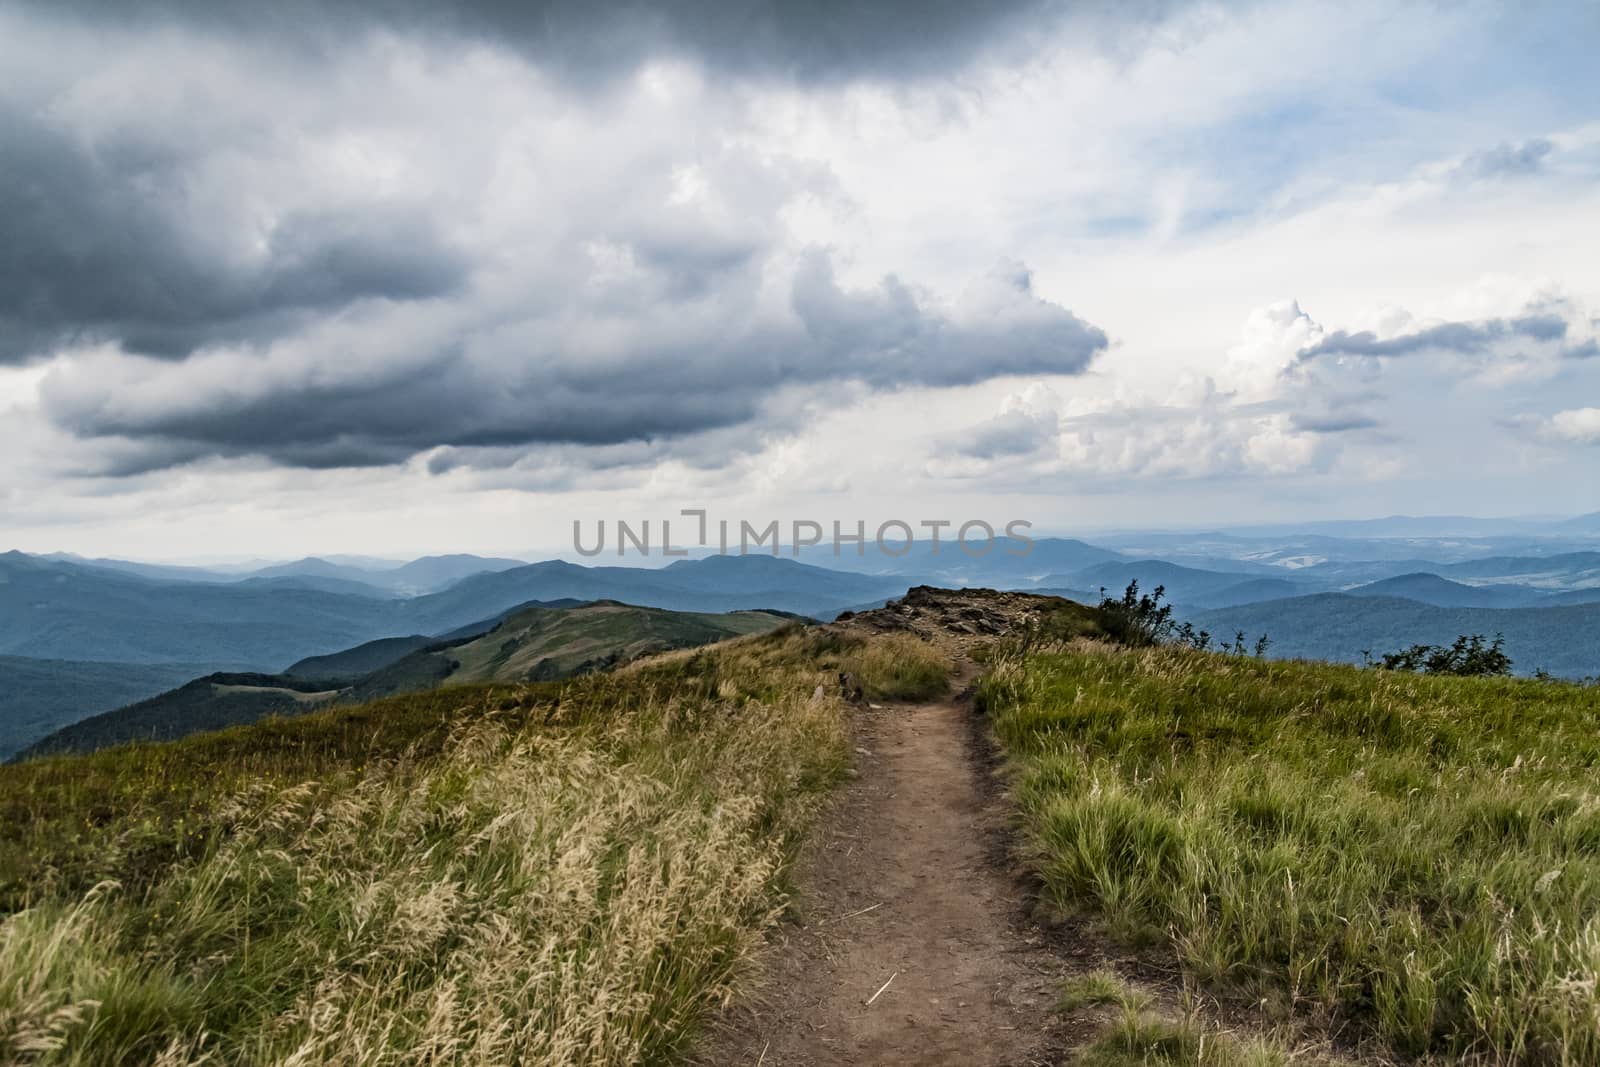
(586, 41)
(341, 263)
(1464, 337)
(540, 384)
(100, 242)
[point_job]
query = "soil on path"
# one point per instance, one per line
(915, 946)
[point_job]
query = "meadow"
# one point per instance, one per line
(1410, 864)
(564, 872)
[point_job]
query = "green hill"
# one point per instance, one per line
(540, 644)
(536, 643)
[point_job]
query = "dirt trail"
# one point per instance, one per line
(902, 885)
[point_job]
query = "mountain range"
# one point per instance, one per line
(79, 637)
(536, 642)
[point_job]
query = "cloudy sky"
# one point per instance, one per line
(276, 281)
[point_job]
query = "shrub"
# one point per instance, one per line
(1141, 620)
(1137, 619)
(1467, 656)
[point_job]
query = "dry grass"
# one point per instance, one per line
(899, 667)
(552, 879)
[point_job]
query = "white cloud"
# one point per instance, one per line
(1578, 426)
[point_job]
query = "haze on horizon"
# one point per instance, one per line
(387, 282)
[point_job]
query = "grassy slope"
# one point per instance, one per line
(543, 644)
(1418, 856)
(534, 873)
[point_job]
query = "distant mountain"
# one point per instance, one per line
(1346, 573)
(321, 583)
(1403, 526)
(1080, 596)
(1049, 555)
(1443, 593)
(1185, 586)
(1566, 571)
(162, 572)
(1290, 548)
(214, 702)
(711, 584)
(433, 573)
(1583, 524)
(40, 696)
(55, 610)
(1254, 591)
(1590, 595)
(347, 574)
(535, 643)
(1337, 626)
(314, 567)
(429, 574)
(1010, 560)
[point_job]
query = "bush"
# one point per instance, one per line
(1468, 656)
(1142, 620)
(1137, 619)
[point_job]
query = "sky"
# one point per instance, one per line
(374, 278)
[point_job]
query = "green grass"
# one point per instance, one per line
(1139, 1038)
(1134, 1034)
(564, 872)
(1416, 857)
(1093, 990)
(901, 667)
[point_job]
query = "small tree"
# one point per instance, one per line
(1467, 656)
(1138, 618)
(1196, 639)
